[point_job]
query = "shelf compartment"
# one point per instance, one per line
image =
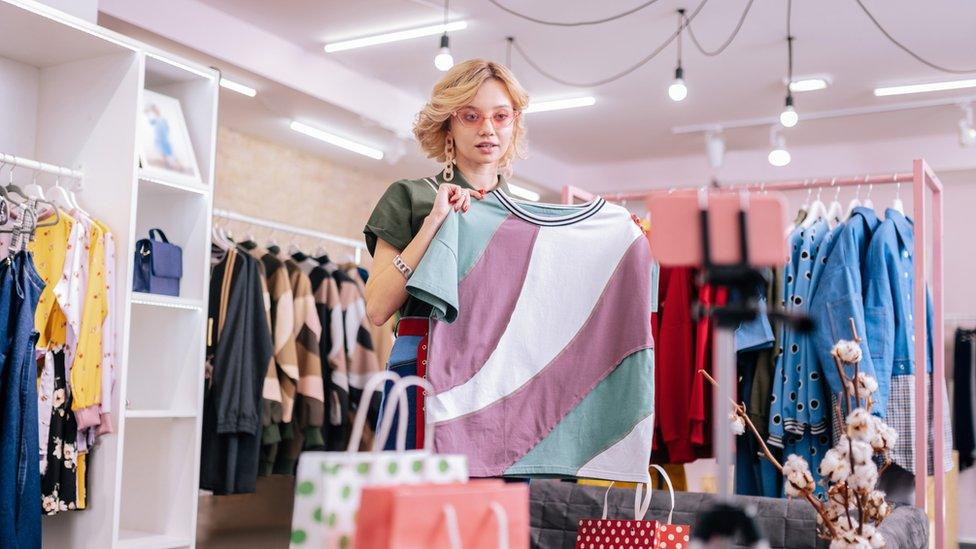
(134, 539)
(159, 483)
(160, 414)
(165, 301)
(162, 185)
(165, 369)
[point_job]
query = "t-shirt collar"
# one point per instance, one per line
(460, 180)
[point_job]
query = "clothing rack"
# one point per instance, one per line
(21, 162)
(922, 179)
(284, 227)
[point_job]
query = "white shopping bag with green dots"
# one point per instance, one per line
(329, 484)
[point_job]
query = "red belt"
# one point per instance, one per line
(416, 326)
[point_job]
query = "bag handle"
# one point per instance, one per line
(162, 235)
(667, 480)
(398, 396)
(359, 424)
(454, 531)
(641, 503)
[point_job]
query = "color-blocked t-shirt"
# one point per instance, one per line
(540, 352)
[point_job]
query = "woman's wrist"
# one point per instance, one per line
(431, 224)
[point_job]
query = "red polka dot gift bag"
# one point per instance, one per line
(634, 534)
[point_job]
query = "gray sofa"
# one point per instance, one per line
(556, 507)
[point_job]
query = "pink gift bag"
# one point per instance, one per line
(481, 514)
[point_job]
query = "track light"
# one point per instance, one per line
(715, 148)
(778, 156)
(387, 37)
(444, 60)
(238, 87)
(677, 91)
(808, 83)
(967, 133)
(788, 118)
(924, 88)
(337, 140)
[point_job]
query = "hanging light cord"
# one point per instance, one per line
(620, 74)
(446, 12)
(905, 48)
(681, 25)
(728, 41)
(571, 23)
(789, 46)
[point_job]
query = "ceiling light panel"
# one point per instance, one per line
(397, 36)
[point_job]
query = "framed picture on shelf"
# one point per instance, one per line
(165, 151)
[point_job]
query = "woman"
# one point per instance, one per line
(472, 125)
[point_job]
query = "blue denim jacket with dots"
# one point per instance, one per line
(889, 302)
(840, 297)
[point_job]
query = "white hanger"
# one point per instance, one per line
(219, 238)
(34, 190)
(856, 201)
(60, 198)
(817, 211)
(293, 248)
(835, 210)
(897, 205)
(867, 199)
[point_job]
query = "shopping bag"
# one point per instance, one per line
(668, 535)
(481, 514)
(412, 466)
(328, 484)
(619, 534)
(637, 533)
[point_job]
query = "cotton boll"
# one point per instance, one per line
(876, 505)
(797, 477)
(864, 477)
(866, 385)
(737, 424)
(847, 351)
(834, 466)
(860, 425)
(885, 436)
(877, 540)
(861, 451)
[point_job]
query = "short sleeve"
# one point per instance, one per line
(391, 218)
(435, 280)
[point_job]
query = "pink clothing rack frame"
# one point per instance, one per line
(923, 179)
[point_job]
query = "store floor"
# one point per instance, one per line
(261, 520)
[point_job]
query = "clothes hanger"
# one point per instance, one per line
(867, 199)
(273, 246)
(835, 210)
(897, 205)
(219, 239)
(34, 190)
(856, 201)
(12, 189)
(249, 242)
(817, 211)
(60, 198)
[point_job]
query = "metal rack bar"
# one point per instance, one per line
(19, 161)
(284, 227)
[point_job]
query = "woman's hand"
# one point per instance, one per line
(451, 197)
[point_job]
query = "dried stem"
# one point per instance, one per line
(843, 383)
(857, 394)
(740, 410)
(854, 329)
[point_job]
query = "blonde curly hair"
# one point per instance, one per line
(455, 90)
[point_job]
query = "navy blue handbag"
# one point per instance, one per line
(158, 265)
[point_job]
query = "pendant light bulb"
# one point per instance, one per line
(778, 156)
(788, 118)
(444, 60)
(677, 91)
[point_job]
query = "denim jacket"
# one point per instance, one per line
(839, 296)
(889, 302)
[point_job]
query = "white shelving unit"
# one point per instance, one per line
(71, 95)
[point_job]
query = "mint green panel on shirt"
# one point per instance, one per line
(631, 382)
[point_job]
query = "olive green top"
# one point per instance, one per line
(400, 213)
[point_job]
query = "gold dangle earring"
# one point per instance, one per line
(449, 156)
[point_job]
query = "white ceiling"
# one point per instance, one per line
(633, 117)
